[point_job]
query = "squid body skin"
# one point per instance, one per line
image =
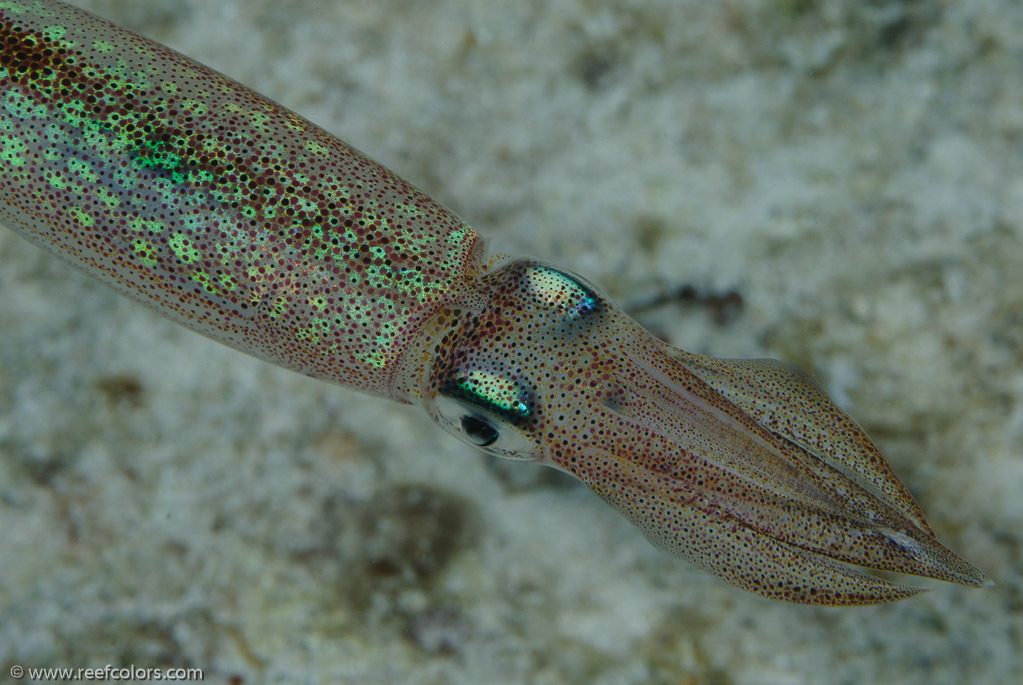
(241, 220)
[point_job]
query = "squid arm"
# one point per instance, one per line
(239, 219)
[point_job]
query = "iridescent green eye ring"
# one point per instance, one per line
(493, 393)
(561, 291)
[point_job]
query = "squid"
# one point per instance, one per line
(241, 220)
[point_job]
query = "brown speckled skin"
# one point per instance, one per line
(241, 220)
(214, 205)
(744, 468)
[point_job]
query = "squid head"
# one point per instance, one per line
(744, 468)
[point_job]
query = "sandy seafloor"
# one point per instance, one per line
(838, 184)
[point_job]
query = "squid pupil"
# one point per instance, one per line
(478, 431)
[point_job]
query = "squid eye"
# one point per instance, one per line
(478, 431)
(562, 291)
(498, 426)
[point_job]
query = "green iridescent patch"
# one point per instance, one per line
(561, 291)
(492, 392)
